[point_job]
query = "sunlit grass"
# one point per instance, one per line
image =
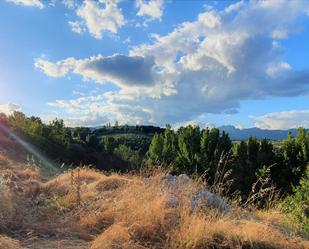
(131, 211)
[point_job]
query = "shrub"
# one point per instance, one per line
(128, 155)
(298, 203)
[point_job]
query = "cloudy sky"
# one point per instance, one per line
(243, 63)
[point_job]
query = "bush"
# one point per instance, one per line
(298, 203)
(128, 155)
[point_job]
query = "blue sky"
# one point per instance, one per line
(243, 63)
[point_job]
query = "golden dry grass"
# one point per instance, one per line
(18, 185)
(116, 236)
(128, 212)
(9, 243)
(6, 208)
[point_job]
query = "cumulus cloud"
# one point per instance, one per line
(152, 9)
(30, 3)
(99, 17)
(120, 69)
(283, 120)
(100, 109)
(8, 109)
(205, 66)
(58, 69)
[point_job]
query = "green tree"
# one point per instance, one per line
(251, 158)
(188, 158)
(169, 151)
(92, 140)
(240, 168)
(302, 138)
(128, 155)
(253, 149)
(18, 121)
(81, 133)
(155, 152)
(108, 144)
(213, 147)
(266, 155)
(294, 159)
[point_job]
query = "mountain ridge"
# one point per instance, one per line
(243, 134)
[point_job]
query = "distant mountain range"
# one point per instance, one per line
(243, 134)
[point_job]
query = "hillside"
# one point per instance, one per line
(85, 208)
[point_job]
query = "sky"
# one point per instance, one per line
(212, 63)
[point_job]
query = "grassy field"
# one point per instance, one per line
(85, 208)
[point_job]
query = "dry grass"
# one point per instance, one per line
(9, 243)
(115, 237)
(128, 212)
(6, 205)
(199, 231)
(18, 185)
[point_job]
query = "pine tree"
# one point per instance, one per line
(169, 145)
(155, 151)
(189, 148)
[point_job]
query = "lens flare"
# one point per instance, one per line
(47, 165)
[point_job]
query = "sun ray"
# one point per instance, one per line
(47, 166)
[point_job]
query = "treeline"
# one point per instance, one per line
(124, 129)
(189, 150)
(208, 152)
(80, 145)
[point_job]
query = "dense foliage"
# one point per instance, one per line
(203, 152)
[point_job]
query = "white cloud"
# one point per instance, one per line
(100, 109)
(234, 7)
(183, 40)
(58, 69)
(152, 9)
(71, 4)
(99, 19)
(30, 3)
(77, 27)
(199, 123)
(205, 66)
(283, 120)
(274, 69)
(8, 109)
